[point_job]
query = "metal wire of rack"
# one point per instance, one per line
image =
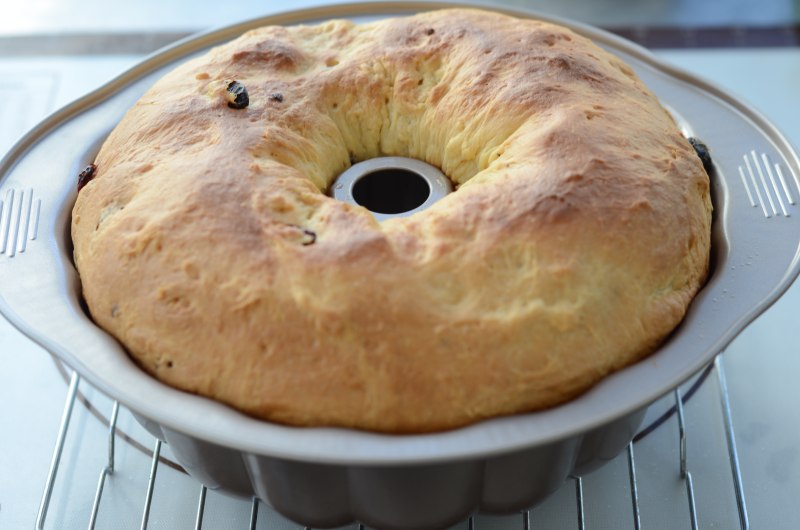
(682, 468)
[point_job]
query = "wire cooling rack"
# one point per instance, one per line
(526, 519)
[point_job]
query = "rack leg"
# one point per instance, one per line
(201, 508)
(72, 391)
(254, 514)
(148, 501)
(733, 454)
(579, 501)
(684, 464)
(637, 522)
(109, 469)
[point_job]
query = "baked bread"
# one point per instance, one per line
(576, 237)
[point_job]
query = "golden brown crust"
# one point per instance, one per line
(573, 245)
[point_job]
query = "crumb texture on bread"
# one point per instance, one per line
(577, 235)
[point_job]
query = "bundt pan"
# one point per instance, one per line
(323, 477)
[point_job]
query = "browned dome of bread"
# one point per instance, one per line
(575, 240)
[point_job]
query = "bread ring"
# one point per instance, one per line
(577, 235)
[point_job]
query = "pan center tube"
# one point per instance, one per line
(391, 186)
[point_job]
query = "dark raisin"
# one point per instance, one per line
(276, 96)
(702, 152)
(86, 175)
(309, 237)
(237, 95)
(430, 31)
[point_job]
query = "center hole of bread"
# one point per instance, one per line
(391, 190)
